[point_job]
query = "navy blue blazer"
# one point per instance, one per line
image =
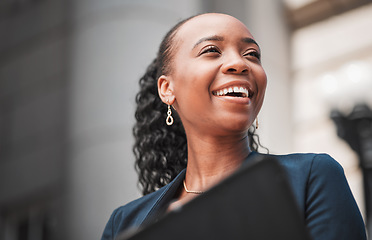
(318, 183)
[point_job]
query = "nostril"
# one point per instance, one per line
(231, 70)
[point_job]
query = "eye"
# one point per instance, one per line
(210, 49)
(254, 54)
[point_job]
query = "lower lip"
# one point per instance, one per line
(238, 100)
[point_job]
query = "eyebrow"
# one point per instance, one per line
(250, 40)
(210, 38)
(219, 38)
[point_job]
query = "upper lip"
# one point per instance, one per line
(232, 84)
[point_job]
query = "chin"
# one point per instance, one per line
(237, 126)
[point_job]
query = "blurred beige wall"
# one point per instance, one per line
(332, 63)
(112, 44)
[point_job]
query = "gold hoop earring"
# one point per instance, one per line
(256, 122)
(169, 120)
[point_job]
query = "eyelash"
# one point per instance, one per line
(254, 54)
(209, 49)
(214, 49)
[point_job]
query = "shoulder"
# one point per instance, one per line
(324, 196)
(312, 171)
(136, 211)
(130, 215)
(141, 210)
(308, 173)
(310, 164)
(307, 159)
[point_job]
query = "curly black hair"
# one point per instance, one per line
(161, 150)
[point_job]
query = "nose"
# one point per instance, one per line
(235, 64)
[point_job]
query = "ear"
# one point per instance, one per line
(165, 89)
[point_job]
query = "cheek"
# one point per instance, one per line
(261, 74)
(263, 84)
(261, 81)
(195, 79)
(192, 90)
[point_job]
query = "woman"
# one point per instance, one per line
(207, 83)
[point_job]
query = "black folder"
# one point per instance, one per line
(256, 202)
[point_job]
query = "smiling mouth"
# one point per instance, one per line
(235, 91)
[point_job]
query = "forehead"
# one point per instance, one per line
(210, 25)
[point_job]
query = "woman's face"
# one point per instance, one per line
(218, 81)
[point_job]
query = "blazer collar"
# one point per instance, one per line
(167, 193)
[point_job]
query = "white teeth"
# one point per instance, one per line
(243, 90)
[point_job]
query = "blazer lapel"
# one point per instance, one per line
(164, 199)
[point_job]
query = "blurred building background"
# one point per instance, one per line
(69, 73)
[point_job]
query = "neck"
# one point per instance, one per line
(210, 160)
